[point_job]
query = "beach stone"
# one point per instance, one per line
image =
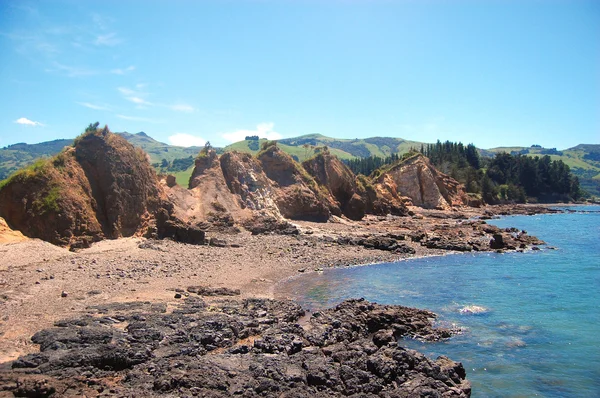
(497, 241)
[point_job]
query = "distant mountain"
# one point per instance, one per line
(159, 150)
(303, 147)
(14, 157)
(583, 159)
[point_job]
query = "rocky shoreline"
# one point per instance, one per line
(103, 290)
(245, 348)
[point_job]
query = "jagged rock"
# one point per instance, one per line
(380, 201)
(246, 179)
(251, 348)
(417, 179)
(296, 193)
(497, 242)
(264, 223)
(169, 227)
(339, 181)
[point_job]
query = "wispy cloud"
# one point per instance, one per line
(109, 39)
(94, 106)
(71, 71)
(123, 71)
(27, 122)
(61, 49)
(182, 108)
(138, 100)
(138, 119)
(140, 97)
(126, 91)
(186, 140)
(263, 130)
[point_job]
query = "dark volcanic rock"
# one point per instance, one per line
(178, 230)
(247, 348)
(213, 291)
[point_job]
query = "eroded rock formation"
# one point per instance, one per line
(425, 186)
(103, 187)
(341, 184)
(296, 193)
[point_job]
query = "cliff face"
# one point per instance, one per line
(103, 187)
(340, 182)
(422, 184)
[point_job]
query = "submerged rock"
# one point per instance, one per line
(250, 348)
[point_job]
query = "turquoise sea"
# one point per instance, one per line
(531, 320)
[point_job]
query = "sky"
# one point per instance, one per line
(492, 73)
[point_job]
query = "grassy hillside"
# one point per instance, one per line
(584, 159)
(158, 150)
(303, 147)
(17, 156)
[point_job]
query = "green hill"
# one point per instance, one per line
(303, 147)
(14, 157)
(583, 159)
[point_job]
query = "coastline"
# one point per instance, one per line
(50, 283)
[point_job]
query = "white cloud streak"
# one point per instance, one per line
(123, 71)
(71, 71)
(109, 39)
(263, 130)
(138, 119)
(94, 106)
(186, 140)
(182, 108)
(27, 122)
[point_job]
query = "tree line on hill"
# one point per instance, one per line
(502, 178)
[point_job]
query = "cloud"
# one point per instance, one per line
(126, 91)
(263, 130)
(137, 97)
(109, 39)
(94, 106)
(138, 119)
(120, 71)
(182, 108)
(138, 100)
(186, 140)
(27, 122)
(71, 71)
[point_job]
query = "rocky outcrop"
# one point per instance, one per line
(123, 184)
(53, 201)
(102, 187)
(330, 173)
(296, 193)
(245, 178)
(248, 348)
(416, 179)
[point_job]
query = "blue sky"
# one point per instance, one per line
(493, 73)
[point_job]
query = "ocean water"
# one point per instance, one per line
(531, 320)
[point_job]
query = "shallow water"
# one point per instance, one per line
(531, 320)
